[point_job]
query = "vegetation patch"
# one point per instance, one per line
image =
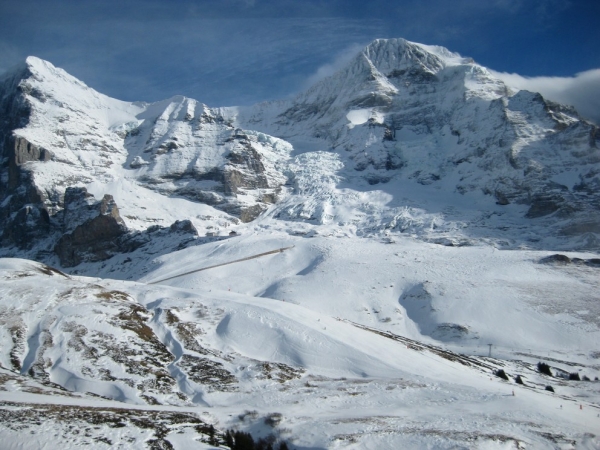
(186, 333)
(208, 372)
(113, 295)
(280, 372)
(133, 317)
(86, 426)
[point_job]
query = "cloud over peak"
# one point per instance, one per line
(581, 91)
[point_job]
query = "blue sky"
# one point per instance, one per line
(226, 52)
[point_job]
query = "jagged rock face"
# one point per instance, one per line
(186, 149)
(23, 217)
(22, 152)
(95, 228)
(27, 224)
(14, 108)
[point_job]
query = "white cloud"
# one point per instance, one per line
(9, 56)
(581, 91)
(339, 61)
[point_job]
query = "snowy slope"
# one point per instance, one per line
(301, 337)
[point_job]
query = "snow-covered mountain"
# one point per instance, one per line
(405, 138)
(59, 134)
(401, 111)
(355, 267)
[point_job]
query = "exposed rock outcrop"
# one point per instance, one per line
(21, 151)
(563, 260)
(96, 237)
(24, 217)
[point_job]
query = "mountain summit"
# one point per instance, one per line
(401, 111)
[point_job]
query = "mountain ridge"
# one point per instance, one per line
(398, 112)
(430, 119)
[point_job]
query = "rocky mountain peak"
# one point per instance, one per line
(390, 56)
(59, 135)
(406, 111)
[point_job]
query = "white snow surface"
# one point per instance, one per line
(310, 309)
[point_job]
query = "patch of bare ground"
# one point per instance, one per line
(557, 438)
(147, 359)
(209, 373)
(186, 333)
(48, 270)
(42, 362)
(460, 437)
(279, 372)
(18, 335)
(113, 295)
(86, 426)
(34, 386)
(137, 350)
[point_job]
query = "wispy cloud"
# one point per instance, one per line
(581, 91)
(336, 64)
(9, 56)
(245, 51)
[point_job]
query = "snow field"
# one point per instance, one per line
(359, 389)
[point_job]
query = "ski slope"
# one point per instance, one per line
(338, 321)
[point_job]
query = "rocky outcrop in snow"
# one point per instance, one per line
(95, 228)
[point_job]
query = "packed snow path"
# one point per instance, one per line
(279, 250)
